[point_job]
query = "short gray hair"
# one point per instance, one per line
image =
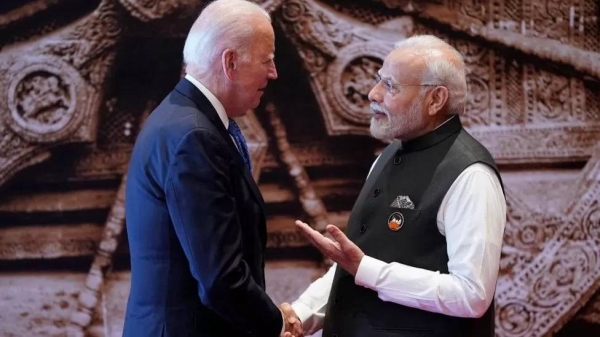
(449, 72)
(222, 24)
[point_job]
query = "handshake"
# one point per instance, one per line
(292, 324)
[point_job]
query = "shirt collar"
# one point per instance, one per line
(443, 131)
(212, 99)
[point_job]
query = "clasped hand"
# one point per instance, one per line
(293, 325)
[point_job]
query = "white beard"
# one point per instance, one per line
(396, 125)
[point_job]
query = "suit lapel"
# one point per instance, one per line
(187, 89)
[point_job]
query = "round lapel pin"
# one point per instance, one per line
(396, 221)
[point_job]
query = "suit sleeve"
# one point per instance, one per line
(200, 201)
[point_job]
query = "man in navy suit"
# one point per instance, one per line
(195, 217)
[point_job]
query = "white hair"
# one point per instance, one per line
(449, 72)
(221, 25)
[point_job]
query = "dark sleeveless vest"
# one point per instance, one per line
(422, 169)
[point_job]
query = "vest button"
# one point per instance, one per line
(397, 160)
(376, 192)
(336, 300)
(334, 335)
(363, 228)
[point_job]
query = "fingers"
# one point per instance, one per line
(287, 309)
(338, 235)
(304, 227)
(315, 237)
(293, 325)
(327, 246)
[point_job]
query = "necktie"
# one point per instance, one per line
(238, 137)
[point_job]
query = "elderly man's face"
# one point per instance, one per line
(254, 74)
(396, 101)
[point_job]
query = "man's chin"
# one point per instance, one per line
(253, 106)
(380, 132)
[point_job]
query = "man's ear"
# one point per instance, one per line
(439, 97)
(229, 63)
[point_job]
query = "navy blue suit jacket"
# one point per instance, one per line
(196, 227)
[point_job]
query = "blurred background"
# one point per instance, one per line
(78, 78)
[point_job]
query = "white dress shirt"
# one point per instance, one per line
(212, 99)
(215, 103)
(472, 217)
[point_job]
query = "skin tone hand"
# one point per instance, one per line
(293, 326)
(341, 251)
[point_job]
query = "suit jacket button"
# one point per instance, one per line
(376, 192)
(336, 300)
(363, 228)
(397, 160)
(334, 335)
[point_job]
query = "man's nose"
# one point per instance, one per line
(375, 94)
(273, 72)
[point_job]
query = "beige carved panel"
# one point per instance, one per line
(76, 85)
(52, 88)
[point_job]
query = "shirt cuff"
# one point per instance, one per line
(368, 272)
(302, 311)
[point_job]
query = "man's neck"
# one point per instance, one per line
(225, 95)
(215, 100)
(447, 118)
(435, 124)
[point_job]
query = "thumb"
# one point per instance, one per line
(288, 312)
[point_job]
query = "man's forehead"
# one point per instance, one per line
(386, 75)
(402, 64)
(264, 43)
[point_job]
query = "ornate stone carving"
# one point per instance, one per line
(149, 10)
(342, 56)
(317, 27)
(464, 17)
(154, 10)
(111, 235)
(43, 96)
(270, 5)
(357, 80)
(311, 203)
(88, 44)
(515, 317)
(520, 144)
(350, 78)
(52, 95)
(405, 5)
(564, 273)
(549, 97)
(525, 235)
(37, 242)
(479, 82)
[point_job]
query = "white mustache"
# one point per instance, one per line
(376, 108)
